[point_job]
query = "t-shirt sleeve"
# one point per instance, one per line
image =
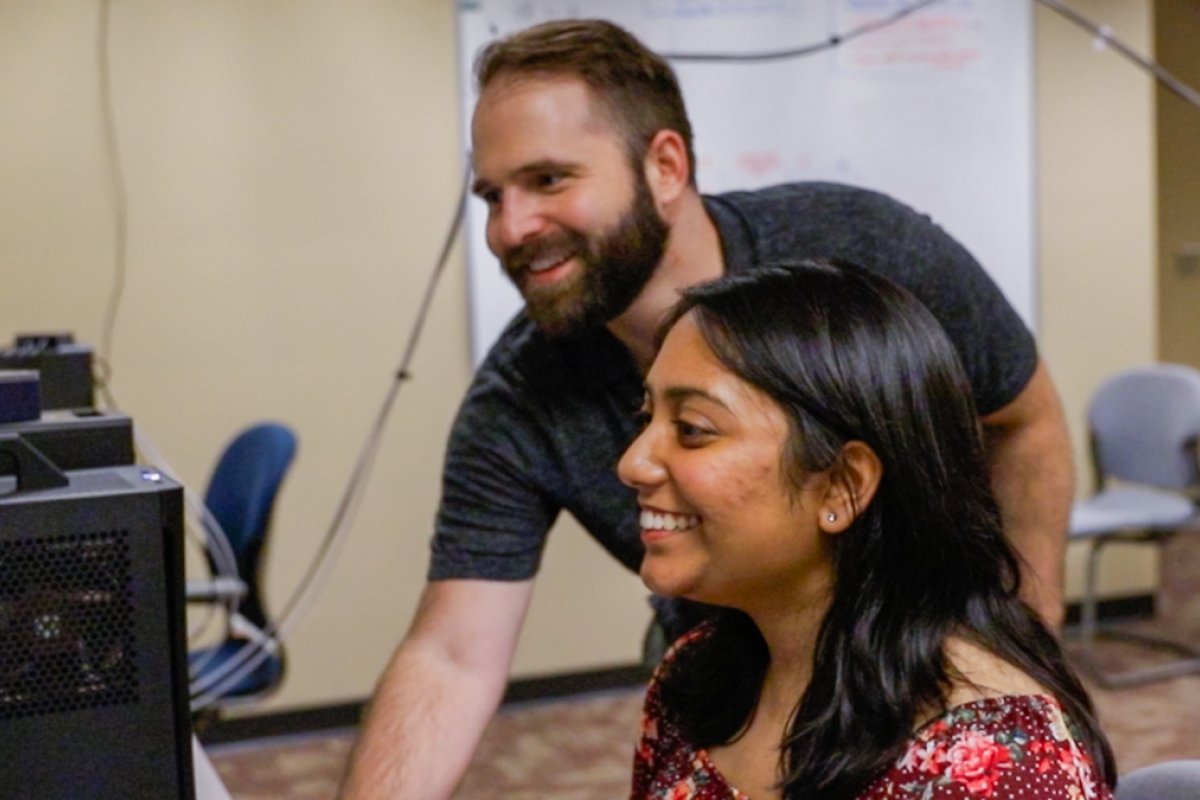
(495, 509)
(993, 343)
(885, 236)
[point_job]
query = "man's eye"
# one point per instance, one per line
(549, 180)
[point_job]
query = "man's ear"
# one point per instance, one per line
(667, 167)
(851, 487)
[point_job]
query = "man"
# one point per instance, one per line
(582, 151)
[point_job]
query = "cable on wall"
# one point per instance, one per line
(1104, 37)
(833, 41)
(220, 680)
(120, 196)
(319, 569)
(200, 526)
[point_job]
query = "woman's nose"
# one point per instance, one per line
(639, 468)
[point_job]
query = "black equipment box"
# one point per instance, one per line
(65, 367)
(77, 439)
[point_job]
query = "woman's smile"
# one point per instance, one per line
(658, 524)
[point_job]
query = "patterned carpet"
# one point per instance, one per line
(582, 748)
(578, 749)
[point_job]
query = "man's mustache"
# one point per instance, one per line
(558, 246)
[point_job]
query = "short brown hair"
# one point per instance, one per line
(637, 90)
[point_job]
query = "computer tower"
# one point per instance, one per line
(93, 664)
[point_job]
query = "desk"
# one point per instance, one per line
(208, 782)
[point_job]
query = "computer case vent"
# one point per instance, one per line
(67, 638)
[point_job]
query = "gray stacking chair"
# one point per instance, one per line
(1170, 780)
(1144, 425)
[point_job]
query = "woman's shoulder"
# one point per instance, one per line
(667, 765)
(1001, 747)
(977, 673)
(701, 631)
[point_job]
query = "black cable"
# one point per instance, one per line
(258, 650)
(1104, 34)
(799, 52)
(362, 468)
(120, 198)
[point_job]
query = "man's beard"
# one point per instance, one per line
(614, 267)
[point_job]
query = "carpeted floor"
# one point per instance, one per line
(582, 748)
(578, 749)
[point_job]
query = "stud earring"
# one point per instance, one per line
(832, 517)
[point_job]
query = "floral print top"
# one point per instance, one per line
(1015, 747)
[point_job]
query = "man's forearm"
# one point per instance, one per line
(1033, 479)
(439, 691)
(421, 731)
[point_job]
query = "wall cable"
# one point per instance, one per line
(1104, 38)
(833, 41)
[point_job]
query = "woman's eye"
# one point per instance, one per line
(641, 419)
(690, 434)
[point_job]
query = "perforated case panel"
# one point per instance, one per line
(67, 639)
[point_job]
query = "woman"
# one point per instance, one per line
(812, 464)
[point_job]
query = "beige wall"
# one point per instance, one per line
(291, 168)
(1096, 197)
(291, 171)
(1177, 30)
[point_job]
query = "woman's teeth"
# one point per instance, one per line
(656, 521)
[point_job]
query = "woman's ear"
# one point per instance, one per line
(851, 487)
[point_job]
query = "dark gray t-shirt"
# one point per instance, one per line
(546, 420)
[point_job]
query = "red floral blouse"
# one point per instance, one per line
(1015, 747)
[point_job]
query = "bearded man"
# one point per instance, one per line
(583, 154)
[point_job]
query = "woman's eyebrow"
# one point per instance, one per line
(677, 394)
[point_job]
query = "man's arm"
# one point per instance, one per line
(438, 693)
(1033, 478)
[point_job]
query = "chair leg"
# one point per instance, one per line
(1088, 612)
(1091, 631)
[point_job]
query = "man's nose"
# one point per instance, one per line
(519, 219)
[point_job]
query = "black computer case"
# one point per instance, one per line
(93, 665)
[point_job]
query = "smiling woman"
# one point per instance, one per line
(812, 464)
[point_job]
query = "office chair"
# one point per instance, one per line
(1170, 780)
(1144, 424)
(241, 496)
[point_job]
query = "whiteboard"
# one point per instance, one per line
(936, 111)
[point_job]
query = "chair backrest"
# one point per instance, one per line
(1144, 424)
(241, 495)
(1170, 780)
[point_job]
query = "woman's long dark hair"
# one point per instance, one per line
(850, 356)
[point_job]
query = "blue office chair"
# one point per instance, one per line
(1170, 780)
(241, 495)
(1144, 424)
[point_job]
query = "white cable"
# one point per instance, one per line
(217, 542)
(200, 628)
